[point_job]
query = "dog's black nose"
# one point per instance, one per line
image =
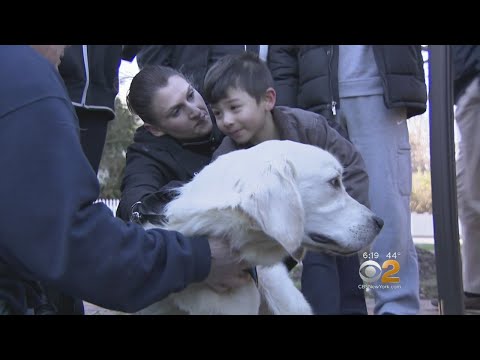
(379, 222)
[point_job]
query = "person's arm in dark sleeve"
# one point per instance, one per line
(150, 209)
(143, 176)
(355, 177)
(283, 64)
(51, 230)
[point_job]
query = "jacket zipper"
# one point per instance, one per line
(334, 103)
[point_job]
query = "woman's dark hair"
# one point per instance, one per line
(245, 71)
(144, 86)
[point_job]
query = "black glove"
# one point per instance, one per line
(150, 208)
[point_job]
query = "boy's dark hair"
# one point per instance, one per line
(144, 86)
(245, 71)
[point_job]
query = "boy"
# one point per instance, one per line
(240, 91)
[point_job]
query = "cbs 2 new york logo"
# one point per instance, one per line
(370, 270)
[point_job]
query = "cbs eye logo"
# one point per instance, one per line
(370, 271)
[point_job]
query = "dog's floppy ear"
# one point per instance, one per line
(271, 198)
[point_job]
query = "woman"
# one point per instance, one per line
(176, 141)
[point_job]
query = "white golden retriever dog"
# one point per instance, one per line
(270, 201)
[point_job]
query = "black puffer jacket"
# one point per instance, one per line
(466, 61)
(153, 162)
(306, 76)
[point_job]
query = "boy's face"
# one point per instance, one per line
(180, 110)
(242, 119)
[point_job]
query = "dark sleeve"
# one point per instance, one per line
(155, 55)
(283, 63)
(151, 207)
(51, 229)
(355, 177)
(143, 176)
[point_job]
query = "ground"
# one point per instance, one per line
(428, 285)
(428, 275)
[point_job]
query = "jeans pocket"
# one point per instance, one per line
(404, 171)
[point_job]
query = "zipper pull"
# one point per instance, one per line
(334, 111)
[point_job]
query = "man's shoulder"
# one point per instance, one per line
(27, 77)
(143, 137)
(150, 148)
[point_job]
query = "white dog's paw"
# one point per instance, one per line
(279, 294)
(298, 306)
(295, 304)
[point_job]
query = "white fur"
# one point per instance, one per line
(269, 201)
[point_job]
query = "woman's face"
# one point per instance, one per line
(180, 110)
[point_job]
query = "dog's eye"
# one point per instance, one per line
(336, 182)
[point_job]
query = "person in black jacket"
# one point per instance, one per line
(466, 59)
(157, 163)
(191, 60)
(176, 141)
(90, 73)
(51, 231)
(370, 90)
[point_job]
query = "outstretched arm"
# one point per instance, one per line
(52, 231)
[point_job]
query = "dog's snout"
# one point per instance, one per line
(379, 222)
